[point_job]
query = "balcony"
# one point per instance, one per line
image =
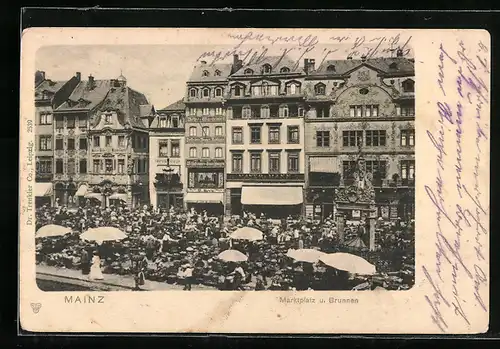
(43, 177)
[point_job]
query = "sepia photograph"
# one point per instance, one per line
(260, 171)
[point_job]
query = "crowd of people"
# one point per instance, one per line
(181, 247)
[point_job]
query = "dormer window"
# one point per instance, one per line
(320, 89)
(285, 70)
(107, 118)
(205, 73)
(218, 92)
(248, 72)
(206, 92)
(266, 69)
(192, 92)
(217, 72)
(393, 66)
(237, 91)
(293, 88)
(330, 68)
(409, 85)
(163, 123)
(175, 121)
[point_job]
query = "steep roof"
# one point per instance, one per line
(197, 75)
(176, 106)
(386, 65)
(85, 97)
(48, 88)
(276, 63)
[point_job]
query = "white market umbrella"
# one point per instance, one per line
(247, 233)
(349, 262)
(232, 256)
(101, 234)
(305, 255)
(52, 230)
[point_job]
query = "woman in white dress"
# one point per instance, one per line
(95, 269)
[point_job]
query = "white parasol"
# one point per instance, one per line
(247, 233)
(52, 230)
(232, 256)
(101, 234)
(349, 262)
(305, 255)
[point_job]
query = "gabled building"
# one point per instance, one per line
(205, 140)
(362, 106)
(49, 95)
(265, 145)
(167, 175)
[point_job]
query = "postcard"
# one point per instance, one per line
(254, 181)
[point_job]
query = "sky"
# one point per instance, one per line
(158, 71)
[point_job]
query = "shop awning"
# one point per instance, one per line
(326, 164)
(271, 195)
(43, 189)
(204, 198)
(97, 196)
(82, 190)
(118, 196)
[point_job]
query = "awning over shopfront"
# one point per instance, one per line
(271, 195)
(43, 189)
(97, 196)
(204, 198)
(118, 196)
(82, 190)
(325, 164)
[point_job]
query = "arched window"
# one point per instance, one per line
(409, 85)
(205, 131)
(246, 112)
(320, 89)
(218, 92)
(192, 131)
(237, 90)
(192, 92)
(264, 111)
(206, 92)
(267, 69)
(248, 71)
(330, 68)
(217, 72)
(284, 111)
(285, 70)
(206, 73)
(218, 152)
(192, 152)
(205, 153)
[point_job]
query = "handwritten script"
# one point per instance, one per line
(458, 193)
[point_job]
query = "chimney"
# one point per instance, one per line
(78, 76)
(237, 63)
(399, 52)
(309, 65)
(90, 83)
(39, 77)
(363, 58)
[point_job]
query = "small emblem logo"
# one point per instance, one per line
(36, 307)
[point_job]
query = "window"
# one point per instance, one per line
(248, 72)
(163, 123)
(59, 122)
(71, 167)
(237, 135)
(97, 141)
(192, 131)
(107, 118)
(255, 161)
(71, 144)
(300, 111)
(108, 140)
(218, 111)
(70, 122)
(45, 166)
(59, 166)
(274, 162)
(217, 72)
(218, 130)
(246, 112)
(192, 92)
(377, 168)
(45, 142)
(83, 144)
(82, 122)
(407, 169)
(274, 134)
(293, 162)
(205, 131)
(121, 166)
(237, 162)
(96, 166)
(348, 168)
(293, 134)
(163, 149)
(175, 121)
(320, 89)
(121, 141)
(407, 138)
(352, 138)
(237, 91)
(108, 165)
(45, 119)
(218, 153)
(255, 134)
(205, 153)
(218, 92)
(409, 85)
(59, 144)
(371, 110)
(266, 69)
(323, 111)
(206, 92)
(293, 89)
(205, 111)
(285, 70)
(375, 138)
(355, 111)
(83, 166)
(192, 152)
(330, 68)
(323, 138)
(206, 73)
(405, 111)
(264, 111)
(175, 149)
(283, 111)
